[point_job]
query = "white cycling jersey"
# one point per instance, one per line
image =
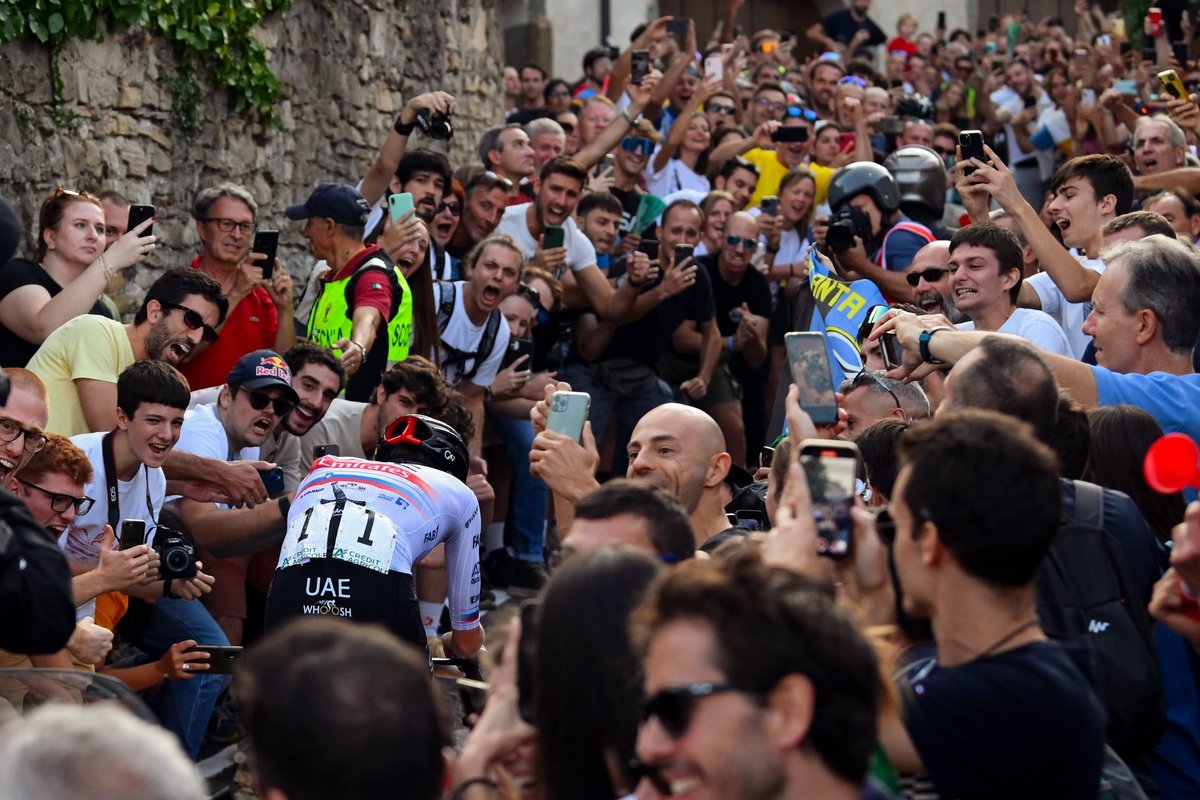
(386, 517)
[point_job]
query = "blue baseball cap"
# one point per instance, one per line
(338, 202)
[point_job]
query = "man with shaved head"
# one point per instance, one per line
(675, 446)
(929, 277)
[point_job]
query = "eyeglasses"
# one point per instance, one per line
(744, 242)
(10, 430)
(719, 108)
(227, 225)
(878, 382)
(259, 400)
(807, 113)
(675, 706)
(454, 208)
(560, 93)
(193, 320)
(637, 144)
(944, 153)
(61, 502)
(774, 105)
(931, 275)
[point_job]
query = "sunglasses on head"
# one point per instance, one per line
(674, 707)
(637, 144)
(931, 275)
(193, 320)
(530, 294)
(744, 242)
(854, 80)
(259, 400)
(807, 113)
(61, 502)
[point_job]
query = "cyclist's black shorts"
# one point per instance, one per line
(331, 587)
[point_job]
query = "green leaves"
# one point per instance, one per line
(218, 34)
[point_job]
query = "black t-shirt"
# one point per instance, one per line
(15, 351)
(629, 199)
(753, 290)
(841, 27)
(1022, 723)
(646, 339)
(694, 304)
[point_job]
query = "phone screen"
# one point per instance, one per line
(831, 468)
(713, 68)
(639, 66)
(889, 347)
(568, 412)
(809, 362)
(400, 204)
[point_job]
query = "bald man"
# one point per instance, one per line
(929, 277)
(675, 446)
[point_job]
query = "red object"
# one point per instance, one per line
(250, 326)
(1171, 464)
(1155, 17)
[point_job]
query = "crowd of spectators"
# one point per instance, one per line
(1019, 201)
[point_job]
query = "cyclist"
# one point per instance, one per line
(358, 526)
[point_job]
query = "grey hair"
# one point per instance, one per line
(912, 397)
(1164, 277)
(1174, 133)
(545, 125)
(98, 752)
(207, 197)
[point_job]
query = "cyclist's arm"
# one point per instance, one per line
(462, 570)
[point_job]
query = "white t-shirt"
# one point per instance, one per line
(341, 425)
(674, 177)
(81, 541)
(1067, 314)
(580, 252)
(280, 448)
(1005, 98)
(203, 434)
(1034, 326)
(466, 337)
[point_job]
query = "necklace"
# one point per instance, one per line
(1008, 637)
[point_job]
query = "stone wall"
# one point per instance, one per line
(346, 68)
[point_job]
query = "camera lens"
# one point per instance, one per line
(176, 559)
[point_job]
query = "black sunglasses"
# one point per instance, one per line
(259, 400)
(674, 707)
(454, 208)
(531, 294)
(193, 320)
(931, 275)
(61, 502)
(744, 242)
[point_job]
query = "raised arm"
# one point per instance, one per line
(379, 174)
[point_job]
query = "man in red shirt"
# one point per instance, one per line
(260, 310)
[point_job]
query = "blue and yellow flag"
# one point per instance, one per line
(840, 310)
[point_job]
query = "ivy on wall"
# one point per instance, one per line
(215, 34)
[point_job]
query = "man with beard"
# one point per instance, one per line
(929, 275)
(79, 363)
(256, 398)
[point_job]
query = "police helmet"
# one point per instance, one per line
(418, 439)
(921, 177)
(864, 177)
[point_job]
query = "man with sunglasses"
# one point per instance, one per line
(630, 160)
(871, 396)
(79, 363)
(722, 110)
(257, 397)
(929, 277)
(260, 311)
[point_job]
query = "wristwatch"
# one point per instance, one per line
(923, 342)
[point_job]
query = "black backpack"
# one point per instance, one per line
(448, 292)
(1083, 593)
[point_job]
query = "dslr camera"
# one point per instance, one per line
(177, 556)
(436, 126)
(844, 225)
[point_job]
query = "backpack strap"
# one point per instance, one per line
(1089, 504)
(486, 343)
(448, 293)
(911, 227)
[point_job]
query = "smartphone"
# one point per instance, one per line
(790, 133)
(322, 450)
(846, 142)
(682, 253)
(222, 659)
(1126, 87)
(1126, 46)
(678, 28)
(138, 215)
(714, 68)
(516, 349)
(831, 466)
(649, 247)
(1180, 51)
(766, 456)
(267, 243)
(1088, 96)
(1172, 85)
(133, 533)
(639, 66)
(809, 362)
(568, 412)
(750, 520)
(272, 480)
(770, 206)
(1149, 54)
(889, 347)
(1030, 101)
(606, 164)
(400, 204)
(555, 236)
(526, 658)
(941, 19)
(971, 143)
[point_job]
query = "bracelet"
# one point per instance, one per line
(285, 505)
(106, 269)
(401, 128)
(923, 344)
(469, 782)
(362, 348)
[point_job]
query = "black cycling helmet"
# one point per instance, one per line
(418, 439)
(920, 176)
(864, 177)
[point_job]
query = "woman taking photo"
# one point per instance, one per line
(70, 273)
(789, 234)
